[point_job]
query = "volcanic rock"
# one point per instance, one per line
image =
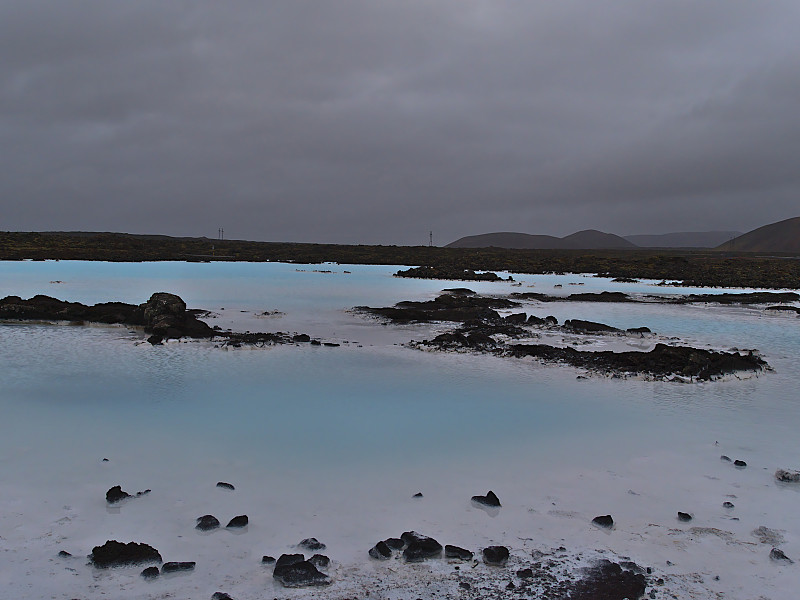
(238, 522)
(172, 567)
(312, 544)
(117, 554)
(457, 553)
(115, 494)
(207, 523)
(380, 551)
(496, 556)
(419, 547)
(150, 573)
(604, 521)
(490, 499)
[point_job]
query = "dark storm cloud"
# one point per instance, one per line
(375, 121)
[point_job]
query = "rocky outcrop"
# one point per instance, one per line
(449, 273)
(292, 570)
(490, 499)
(118, 554)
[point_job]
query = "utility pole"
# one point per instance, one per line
(430, 238)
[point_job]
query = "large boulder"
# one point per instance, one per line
(298, 573)
(165, 315)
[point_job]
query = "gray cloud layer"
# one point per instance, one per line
(374, 121)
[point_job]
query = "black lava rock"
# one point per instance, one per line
(221, 596)
(380, 551)
(117, 554)
(320, 561)
(787, 476)
(64, 554)
(238, 522)
(725, 458)
(685, 517)
(490, 499)
(301, 337)
(115, 494)
(456, 552)
(608, 581)
(419, 547)
(155, 340)
(604, 521)
(173, 567)
(418, 495)
(284, 560)
(739, 463)
(267, 560)
(150, 573)
(312, 544)
(207, 523)
(525, 573)
(727, 504)
(226, 486)
(496, 556)
(395, 543)
(300, 574)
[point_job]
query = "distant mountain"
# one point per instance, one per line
(783, 236)
(684, 239)
(582, 240)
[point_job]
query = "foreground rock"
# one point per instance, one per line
(419, 547)
(174, 567)
(496, 556)
(455, 552)
(605, 521)
(207, 523)
(609, 581)
(294, 573)
(118, 554)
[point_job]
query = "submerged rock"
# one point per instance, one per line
(226, 486)
(496, 556)
(267, 560)
(221, 596)
(787, 476)
(419, 547)
(589, 326)
(685, 517)
(118, 554)
(490, 499)
(739, 463)
(778, 556)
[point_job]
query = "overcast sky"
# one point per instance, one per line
(375, 121)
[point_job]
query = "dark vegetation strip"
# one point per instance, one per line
(700, 268)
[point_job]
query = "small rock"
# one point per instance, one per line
(380, 551)
(173, 567)
(267, 560)
(739, 463)
(525, 573)
(725, 458)
(105, 460)
(238, 522)
(301, 337)
(144, 493)
(312, 544)
(456, 552)
(510, 585)
(682, 516)
(778, 555)
(604, 521)
(787, 475)
(490, 499)
(496, 556)
(320, 561)
(226, 486)
(64, 554)
(150, 573)
(115, 494)
(221, 596)
(418, 495)
(207, 523)
(727, 504)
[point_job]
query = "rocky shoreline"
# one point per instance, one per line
(482, 329)
(164, 316)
